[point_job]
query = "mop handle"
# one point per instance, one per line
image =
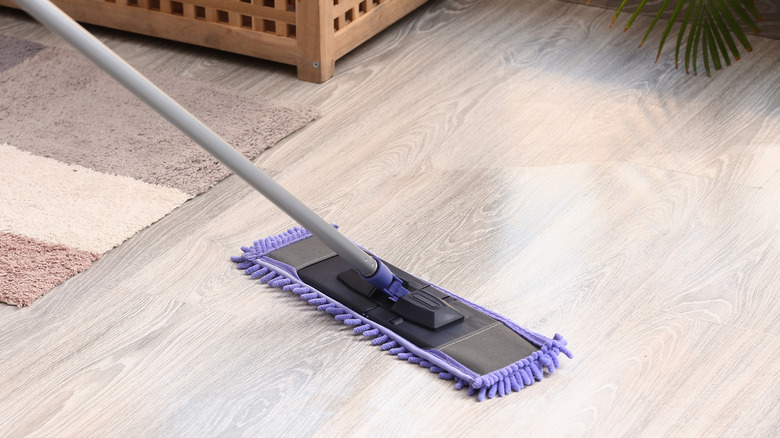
(64, 26)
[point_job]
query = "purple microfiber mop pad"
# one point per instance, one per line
(513, 377)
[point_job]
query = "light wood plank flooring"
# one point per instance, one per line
(518, 153)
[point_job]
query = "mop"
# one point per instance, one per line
(410, 318)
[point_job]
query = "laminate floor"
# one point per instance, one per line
(518, 153)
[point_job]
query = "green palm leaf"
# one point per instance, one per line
(717, 38)
(697, 31)
(724, 30)
(686, 20)
(711, 27)
(668, 29)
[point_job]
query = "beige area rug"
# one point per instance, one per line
(85, 165)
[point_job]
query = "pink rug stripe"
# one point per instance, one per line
(29, 267)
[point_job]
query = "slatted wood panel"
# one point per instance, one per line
(518, 153)
(299, 33)
(347, 11)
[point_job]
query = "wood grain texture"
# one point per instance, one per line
(519, 154)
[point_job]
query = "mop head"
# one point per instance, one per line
(461, 341)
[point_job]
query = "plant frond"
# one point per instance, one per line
(717, 11)
(705, 44)
(739, 8)
(639, 8)
(717, 38)
(696, 38)
(685, 22)
(675, 14)
(735, 27)
(712, 27)
(655, 20)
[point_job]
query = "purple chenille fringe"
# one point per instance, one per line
(500, 382)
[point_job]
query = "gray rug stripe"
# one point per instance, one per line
(14, 50)
(58, 105)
